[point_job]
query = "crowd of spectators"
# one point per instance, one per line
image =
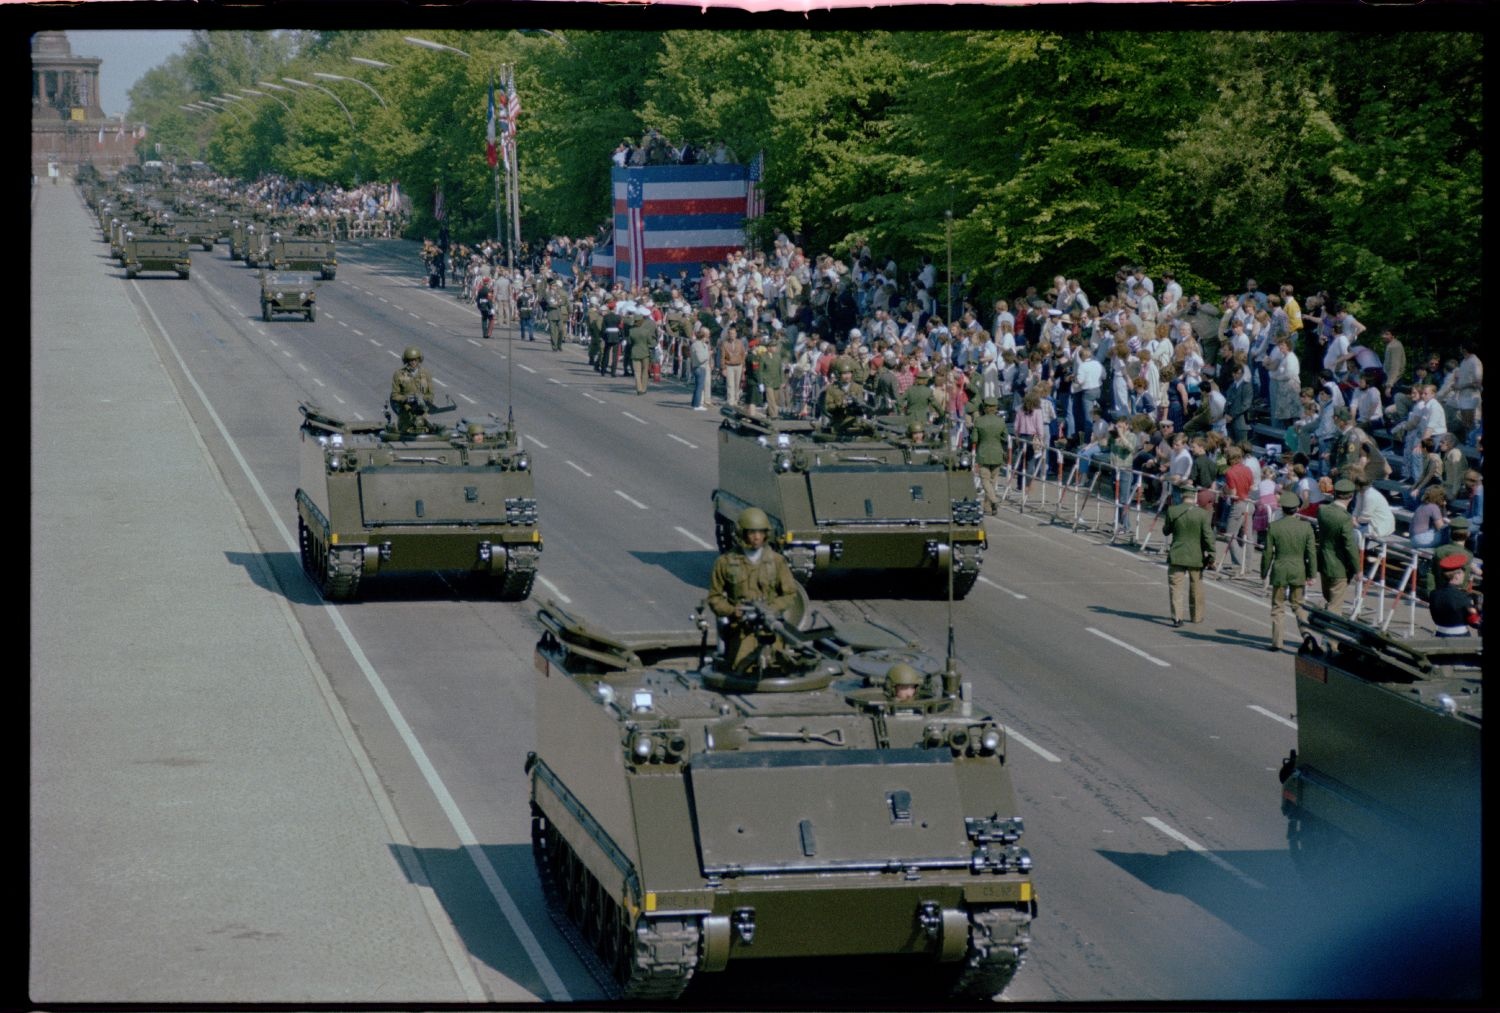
(654, 149)
(368, 209)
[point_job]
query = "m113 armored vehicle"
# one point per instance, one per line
(863, 498)
(376, 500)
(840, 796)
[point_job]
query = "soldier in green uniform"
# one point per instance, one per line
(642, 337)
(902, 683)
(1192, 549)
(557, 311)
(411, 393)
(843, 402)
(614, 334)
(1290, 561)
(989, 434)
(753, 574)
(918, 402)
(770, 370)
(596, 334)
(887, 388)
(1338, 547)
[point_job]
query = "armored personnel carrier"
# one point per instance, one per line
(374, 500)
(154, 248)
(303, 251)
(857, 498)
(840, 797)
(1388, 752)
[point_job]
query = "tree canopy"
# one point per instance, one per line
(1220, 155)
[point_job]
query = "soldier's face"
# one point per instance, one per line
(755, 539)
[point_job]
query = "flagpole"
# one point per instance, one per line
(495, 169)
(515, 162)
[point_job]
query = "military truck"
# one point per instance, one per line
(1388, 754)
(154, 248)
(303, 252)
(376, 501)
(863, 499)
(687, 817)
(288, 292)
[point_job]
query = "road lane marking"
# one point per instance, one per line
(302, 366)
(695, 539)
(525, 367)
(440, 383)
(339, 399)
(634, 502)
(551, 981)
(475, 342)
(1128, 647)
(553, 588)
(413, 315)
(1272, 715)
(553, 379)
(680, 440)
(287, 352)
(997, 587)
(635, 417)
(342, 323)
(320, 383)
(591, 397)
(1199, 849)
(578, 469)
(533, 439)
(467, 398)
(1038, 750)
(361, 333)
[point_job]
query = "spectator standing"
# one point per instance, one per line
(1468, 380)
(1239, 486)
(701, 356)
(1191, 549)
(1286, 381)
(1289, 562)
(1394, 361)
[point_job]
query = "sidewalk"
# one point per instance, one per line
(200, 828)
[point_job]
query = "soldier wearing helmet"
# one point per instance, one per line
(411, 393)
(476, 433)
(902, 683)
(754, 573)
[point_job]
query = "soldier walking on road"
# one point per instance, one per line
(557, 312)
(1338, 545)
(642, 339)
(989, 451)
(1290, 561)
(1192, 549)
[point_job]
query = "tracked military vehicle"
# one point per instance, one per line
(1388, 752)
(687, 817)
(375, 501)
(154, 248)
(864, 497)
(303, 251)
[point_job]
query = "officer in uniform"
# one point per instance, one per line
(902, 683)
(1451, 607)
(887, 389)
(754, 573)
(557, 312)
(642, 337)
(1290, 561)
(596, 334)
(1190, 527)
(411, 393)
(526, 311)
(1338, 546)
(918, 401)
(989, 435)
(614, 332)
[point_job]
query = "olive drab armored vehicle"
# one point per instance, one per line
(687, 817)
(288, 292)
(859, 498)
(154, 248)
(1388, 754)
(239, 237)
(258, 244)
(303, 251)
(374, 500)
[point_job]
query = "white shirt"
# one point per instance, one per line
(1338, 347)
(1089, 375)
(1373, 511)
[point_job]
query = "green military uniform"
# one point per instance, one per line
(596, 334)
(736, 580)
(769, 371)
(642, 337)
(842, 403)
(1191, 549)
(411, 396)
(989, 451)
(558, 308)
(859, 368)
(919, 403)
(1290, 561)
(1338, 549)
(887, 391)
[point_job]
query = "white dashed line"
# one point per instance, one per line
(320, 383)
(635, 417)
(343, 324)
(383, 299)
(1133, 650)
(591, 397)
(633, 502)
(413, 315)
(533, 439)
(357, 416)
(339, 399)
(1272, 715)
(1199, 849)
(997, 587)
(553, 379)
(695, 539)
(286, 352)
(553, 588)
(440, 383)
(273, 342)
(1038, 750)
(578, 469)
(680, 440)
(525, 367)
(474, 341)
(361, 333)
(467, 398)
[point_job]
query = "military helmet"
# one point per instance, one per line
(475, 429)
(901, 674)
(412, 354)
(753, 519)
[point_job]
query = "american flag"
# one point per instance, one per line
(490, 155)
(668, 217)
(512, 103)
(755, 198)
(635, 199)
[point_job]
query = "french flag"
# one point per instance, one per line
(668, 217)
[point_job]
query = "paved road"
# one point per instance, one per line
(1145, 757)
